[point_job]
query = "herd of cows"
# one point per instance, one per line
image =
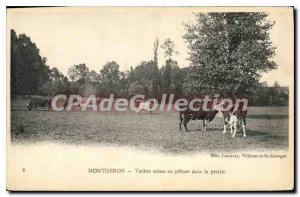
(232, 117)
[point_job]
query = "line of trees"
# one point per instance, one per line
(228, 53)
(30, 74)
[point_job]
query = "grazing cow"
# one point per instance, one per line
(144, 106)
(39, 102)
(235, 119)
(187, 115)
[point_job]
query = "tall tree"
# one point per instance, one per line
(171, 78)
(79, 73)
(228, 52)
(131, 76)
(29, 70)
(155, 51)
(169, 48)
(110, 76)
(147, 75)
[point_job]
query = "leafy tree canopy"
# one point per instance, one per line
(26, 62)
(228, 52)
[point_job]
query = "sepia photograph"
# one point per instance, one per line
(150, 98)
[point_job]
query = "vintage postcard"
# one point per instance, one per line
(150, 99)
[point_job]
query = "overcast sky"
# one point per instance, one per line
(94, 36)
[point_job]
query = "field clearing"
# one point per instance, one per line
(267, 129)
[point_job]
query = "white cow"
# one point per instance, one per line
(234, 118)
(232, 121)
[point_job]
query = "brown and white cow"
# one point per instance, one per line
(235, 117)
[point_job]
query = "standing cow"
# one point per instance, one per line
(235, 117)
(200, 114)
